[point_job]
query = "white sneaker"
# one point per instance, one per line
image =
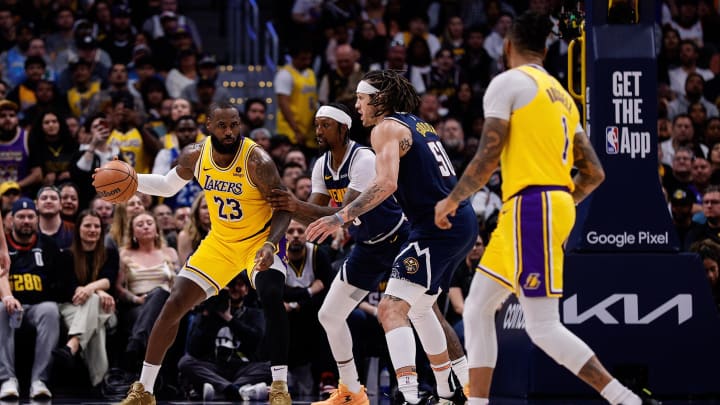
(39, 390)
(254, 392)
(9, 389)
(208, 392)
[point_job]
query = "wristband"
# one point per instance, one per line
(274, 246)
(340, 218)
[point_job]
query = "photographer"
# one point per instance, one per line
(222, 346)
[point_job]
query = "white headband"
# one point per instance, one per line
(366, 88)
(337, 114)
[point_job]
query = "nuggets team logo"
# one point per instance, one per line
(612, 140)
(411, 265)
(532, 282)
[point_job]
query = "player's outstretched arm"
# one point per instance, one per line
(590, 172)
(302, 211)
(478, 172)
(264, 174)
(169, 184)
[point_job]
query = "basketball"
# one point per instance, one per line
(116, 181)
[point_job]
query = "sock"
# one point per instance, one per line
(148, 375)
(401, 345)
(349, 376)
(279, 373)
(442, 378)
(478, 401)
(460, 368)
(618, 394)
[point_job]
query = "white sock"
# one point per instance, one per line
(478, 401)
(618, 394)
(460, 368)
(279, 373)
(442, 376)
(401, 345)
(148, 375)
(349, 376)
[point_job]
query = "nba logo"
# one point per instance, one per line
(612, 146)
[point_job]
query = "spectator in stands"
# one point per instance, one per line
(47, 99)
(339, 85)
(69, 201)
(185, 133)
(7, 28)
(54, 147)
(453, 140)
(164, 216)
(12, 61)
(34, 286)
(687, 22)
(712, 131)
(91, 309)
(711, 210)
(255, 110)
(195, 229)
(689, 55)
(279, 147)
(24, 93)
(694, 85)
(445, 76)
(182, 215)
(183, 74)
(681, 208)
(9, 193)
(295, 155)
(62, 38)
(93, 155)
(339, 35)
(418, 27)
(476, 61)
(291, 171)
(16, 162)
(296, 92)
(207, 71)
(119, 42)
(262, 137)
(308, 274)
(105, 211)
(681, 174)
(397, 60)
(169, 9)
(303, 187)
(429, 109)
(700, 173)
(154, 94)
(86, 49)
(453, 37)
(121, 229)
(147, 271)
(709, 253)
(100, 18)
(137, 146)
(369, 44)
(669, 56)
(118, 82)
(419, 57)
(682, 135)
(50, 221)
(494, 42)
(83, 87)
(222, 348)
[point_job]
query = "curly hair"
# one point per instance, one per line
(396, 93)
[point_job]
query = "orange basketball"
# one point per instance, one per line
(116, 181)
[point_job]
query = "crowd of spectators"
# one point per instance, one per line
(86, 81)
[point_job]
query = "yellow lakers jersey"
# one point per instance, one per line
(131, 147)
(303, 104)
(79, 101)
(237, 209)
(539, 149)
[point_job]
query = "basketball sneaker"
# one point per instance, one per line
(458, 398)
(279, 394)
(138, 396)
(342, 395)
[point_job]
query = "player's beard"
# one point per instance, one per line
(223, 148)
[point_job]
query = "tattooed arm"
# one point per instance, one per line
(590, 173)
(264, 174)
(485, 161)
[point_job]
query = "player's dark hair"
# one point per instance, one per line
(396, 94)
(530, 31)
(220, 105)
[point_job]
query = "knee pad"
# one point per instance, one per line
(559, 343)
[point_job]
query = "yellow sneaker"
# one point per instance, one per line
(343, 396)
(279, 394)
(138, 396)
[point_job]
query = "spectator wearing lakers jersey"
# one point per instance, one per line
(83, 87)
(24, 93)
(16, 162)
(418, 27)
(681, 209)
(137, 146)
(445, 76)
(50, 222)
(296, 90)
(34, 286)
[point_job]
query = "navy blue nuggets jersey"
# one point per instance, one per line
(374, 224)
(426, 174)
